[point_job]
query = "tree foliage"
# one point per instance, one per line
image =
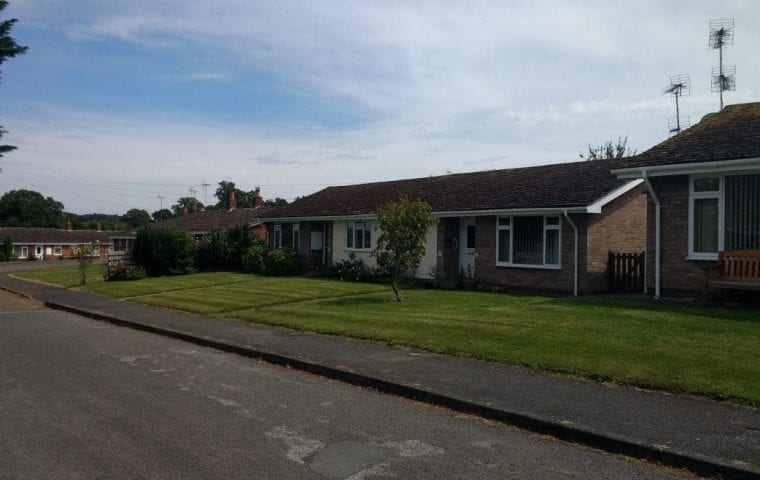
(164, 252)
(27, 208)
(8, 49)
(136, 217)
(276, 202)
(162, 214)
(401, 245)
(192, 205)
(242, 199)
(609, 150)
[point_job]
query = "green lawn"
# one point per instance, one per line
(707, 351)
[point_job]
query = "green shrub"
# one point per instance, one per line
(214, 252)
(351, 268)
(280, 262)
(253, 260)
(239, 239)
(225, 249)
(123, 272)
(164, 252)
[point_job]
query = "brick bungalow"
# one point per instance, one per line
(54, 243)
(538, 228)
(704, 196)
(200, 224)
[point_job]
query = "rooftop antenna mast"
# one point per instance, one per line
(722, 35)
(205, 192)
(680, 85)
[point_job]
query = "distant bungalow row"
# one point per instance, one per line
(548, 228)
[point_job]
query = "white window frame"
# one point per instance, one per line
(277, 235)
(694, 195)
(546, 227)
(57, 251)
(366, 228)
(296, 244)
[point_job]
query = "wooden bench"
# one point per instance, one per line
(737, 270)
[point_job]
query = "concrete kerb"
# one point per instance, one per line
(608, 443)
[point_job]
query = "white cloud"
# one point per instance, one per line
(438, 85)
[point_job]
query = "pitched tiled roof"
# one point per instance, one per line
(53, 235)
(208, 220)
(564, 185)
(731, 134)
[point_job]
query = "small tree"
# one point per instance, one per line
(7, 248)
(609, 150)
(401, 244)
(85, 254)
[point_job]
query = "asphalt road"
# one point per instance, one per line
(82, 399)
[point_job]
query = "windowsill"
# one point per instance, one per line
(537, 267)
(702, 258)
(358, 249)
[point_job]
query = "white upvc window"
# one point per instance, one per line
(724, 214)
(528, 241)
(358, 235)
(296, 237)
(58, 251)
(277, 235)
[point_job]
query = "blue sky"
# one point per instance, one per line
(119, 102)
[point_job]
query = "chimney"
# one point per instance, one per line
(68, 225)
(257, 201)
(233, 201)
(98, 226)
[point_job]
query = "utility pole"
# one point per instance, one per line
(161, 210)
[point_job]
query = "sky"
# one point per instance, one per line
(119, 103)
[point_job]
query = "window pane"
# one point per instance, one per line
(503, 252)
(529, 238)
(552, 247)
(358, 235)
(350, 235)
(470, 236)
(552, 220)
(706, 225)
(504, 221)
(367, 236)
(706, 184)
(742, 230)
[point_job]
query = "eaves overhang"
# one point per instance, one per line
(723, 166)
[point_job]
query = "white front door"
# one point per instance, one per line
(38, 251)
(467, 246)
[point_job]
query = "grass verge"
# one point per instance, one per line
(679, 348)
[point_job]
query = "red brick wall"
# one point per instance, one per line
(679, 276)
(522, 278)
(621, 227)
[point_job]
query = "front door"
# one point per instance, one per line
(38, 251)
(467, 246)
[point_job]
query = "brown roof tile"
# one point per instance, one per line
(548, 186)
(731, 134)
(54, 235)
(208, 220)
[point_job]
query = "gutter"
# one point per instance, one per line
(656, 201)
(575, 253)
(688, 168)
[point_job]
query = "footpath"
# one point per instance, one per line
(707, 437)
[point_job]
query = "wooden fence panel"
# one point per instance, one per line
(625, 272)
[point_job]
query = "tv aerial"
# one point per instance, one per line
(680, 85)
(722, 35)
